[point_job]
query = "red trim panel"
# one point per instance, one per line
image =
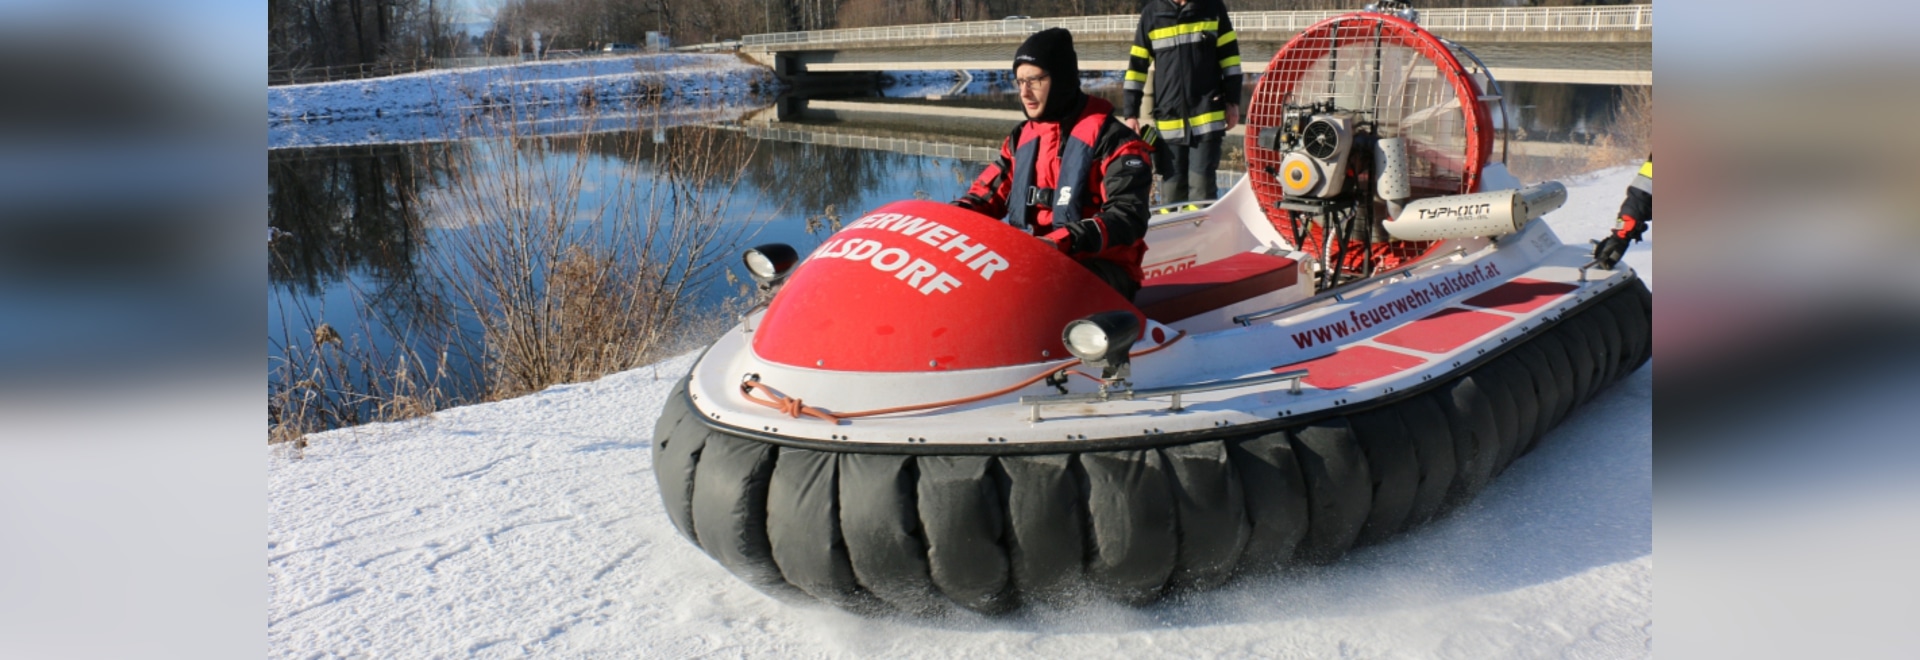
(1522, 295)
(1194, 291)
(1353, 365)
(1444, 330)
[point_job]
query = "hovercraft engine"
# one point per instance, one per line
(1329, 174)
(1338, 174)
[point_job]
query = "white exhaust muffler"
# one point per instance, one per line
(1495, 213)
(1394, 183)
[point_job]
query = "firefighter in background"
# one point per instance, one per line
(1635, 214)
(1071, 174)
(1196, 90)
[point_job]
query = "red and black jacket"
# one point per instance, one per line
(1102, 202)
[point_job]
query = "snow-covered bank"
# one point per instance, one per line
(923, 84)
(456, 103)
(532, 526)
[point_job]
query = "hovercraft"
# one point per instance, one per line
(935, 411)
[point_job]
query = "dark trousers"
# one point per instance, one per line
(1193, 168)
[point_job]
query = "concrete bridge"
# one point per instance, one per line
(969, 134)
(1610, 45)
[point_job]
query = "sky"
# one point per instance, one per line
(470, 11)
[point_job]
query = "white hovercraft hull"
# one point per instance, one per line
(1421, 387)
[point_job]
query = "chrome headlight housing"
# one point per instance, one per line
(770, 263)
(1104, 340)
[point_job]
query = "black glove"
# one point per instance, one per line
(1609, 251)
(1086, 236)
(1626, 230)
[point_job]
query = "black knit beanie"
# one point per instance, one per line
(1052, 50)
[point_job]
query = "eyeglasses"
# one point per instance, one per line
(1024, 83)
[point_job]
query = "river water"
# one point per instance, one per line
(354, 229)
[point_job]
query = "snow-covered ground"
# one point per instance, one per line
(541, 97)
(533, 526)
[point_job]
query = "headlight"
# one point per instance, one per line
(1086, 340)
(768, 263)
(1104, 340)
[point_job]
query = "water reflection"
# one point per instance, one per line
(338, 210)
(347, 237)
(355, 213)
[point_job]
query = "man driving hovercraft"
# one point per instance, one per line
(1072, 174)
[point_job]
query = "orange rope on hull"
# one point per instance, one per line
(794, 407)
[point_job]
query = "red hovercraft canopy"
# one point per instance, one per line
(1415, 88)
(923, 286)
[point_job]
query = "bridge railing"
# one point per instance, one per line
(1499, 19)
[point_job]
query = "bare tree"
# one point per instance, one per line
(318, 33)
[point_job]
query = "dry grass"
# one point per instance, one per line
(564, 293)
(334, 382)
(1625, 139)
(560, 291)
(1629, 137)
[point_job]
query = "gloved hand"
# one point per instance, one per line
(1061, 239)
(1609, 251)
(1614, 246)
(1078, 236)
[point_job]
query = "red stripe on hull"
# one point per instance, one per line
(1445, 330)
(1522, 295)
(1353, 365)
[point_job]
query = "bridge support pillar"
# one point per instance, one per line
(789, 107)
(792, 70)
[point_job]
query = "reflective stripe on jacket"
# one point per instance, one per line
(1197, 54)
